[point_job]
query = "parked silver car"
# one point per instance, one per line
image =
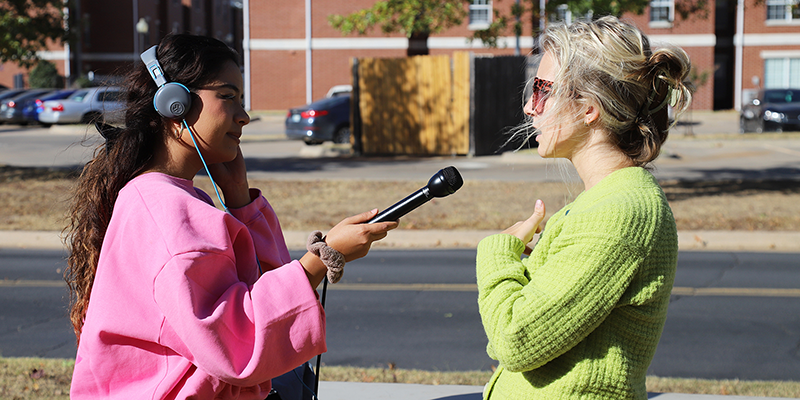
(84, 106)
(11, 109)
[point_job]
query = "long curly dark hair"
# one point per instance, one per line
(188, 59)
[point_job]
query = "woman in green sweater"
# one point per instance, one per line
(580, 318)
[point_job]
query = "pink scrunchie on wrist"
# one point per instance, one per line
(332, 258)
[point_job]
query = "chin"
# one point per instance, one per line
(542, 151)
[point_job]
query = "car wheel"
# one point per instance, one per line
(760, 127)
(342, 135)
(312, 142)
(90, 117)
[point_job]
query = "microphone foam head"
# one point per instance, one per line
(445, 182)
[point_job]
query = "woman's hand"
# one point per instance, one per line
(525, 230)
(231, 177)
(353, 236)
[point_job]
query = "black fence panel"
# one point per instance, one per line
(497, 100)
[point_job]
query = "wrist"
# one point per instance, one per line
(238, 197)
(314, 267)
(330, 257)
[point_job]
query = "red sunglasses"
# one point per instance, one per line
(541, 91)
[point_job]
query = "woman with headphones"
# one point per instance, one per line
(170, 296)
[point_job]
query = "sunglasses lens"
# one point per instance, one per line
(541, 90)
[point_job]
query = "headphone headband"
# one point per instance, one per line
(153, 67)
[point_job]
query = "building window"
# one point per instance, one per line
(781, 73)
(480, 14)
(783, 10)
(563, 14)
(662, 12)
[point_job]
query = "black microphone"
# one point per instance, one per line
(441, 184)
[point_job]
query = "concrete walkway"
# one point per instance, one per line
(397, 391)
(756, 241)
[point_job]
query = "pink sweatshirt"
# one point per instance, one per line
(177, 308)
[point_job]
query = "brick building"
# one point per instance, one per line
(292, 55)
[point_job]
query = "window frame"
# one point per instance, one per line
(669, 5)
(563, 14)
(784, 67)
(790, 15)
(480, 6)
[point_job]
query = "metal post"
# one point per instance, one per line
(739, 43)
(309, 93)
(246, 50)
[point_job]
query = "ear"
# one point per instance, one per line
(591, 115)
(175, 129)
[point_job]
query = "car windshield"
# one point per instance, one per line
(782, 96)
(79, 95)
(108, 96)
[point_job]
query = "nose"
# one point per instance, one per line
(243, 118)
(529, 109)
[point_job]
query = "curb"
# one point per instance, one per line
(757, 241)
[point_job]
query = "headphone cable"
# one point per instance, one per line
(213, 184)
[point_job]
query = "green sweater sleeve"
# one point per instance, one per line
(534, 313)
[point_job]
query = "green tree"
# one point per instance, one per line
(25, 27)
(45, 75)
(686, 9)
(417, 19)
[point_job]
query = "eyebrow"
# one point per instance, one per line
(223, 86)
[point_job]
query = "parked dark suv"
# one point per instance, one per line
(771, 110)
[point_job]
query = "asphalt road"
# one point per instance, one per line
(732, 316)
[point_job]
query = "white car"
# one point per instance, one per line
(84, 106)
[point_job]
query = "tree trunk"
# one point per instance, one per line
(418, 45)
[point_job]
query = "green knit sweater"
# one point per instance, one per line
(581, 317)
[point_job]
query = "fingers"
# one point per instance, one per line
(525, 230)
(538, 215)
(361, 218)
(353, 237)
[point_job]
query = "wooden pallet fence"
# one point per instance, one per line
(415, 105)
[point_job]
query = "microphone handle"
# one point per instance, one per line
(404, 206)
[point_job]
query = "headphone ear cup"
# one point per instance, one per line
(173, 100)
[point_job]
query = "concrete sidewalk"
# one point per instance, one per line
(754, 241)
(398, 391)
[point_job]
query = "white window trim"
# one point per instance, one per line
(664, 24)
(568, 17)
(785, 75)
(477, 26)
(787, 16)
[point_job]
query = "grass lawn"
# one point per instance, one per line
(43, 379)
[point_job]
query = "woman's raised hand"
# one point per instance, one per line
(525, 230)
(231, 177)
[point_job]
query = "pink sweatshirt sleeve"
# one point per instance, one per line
(265, 231)
(236, 332)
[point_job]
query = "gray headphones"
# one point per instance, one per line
(172, 100)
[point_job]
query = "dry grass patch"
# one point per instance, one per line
(37, 199)
(37, 378)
